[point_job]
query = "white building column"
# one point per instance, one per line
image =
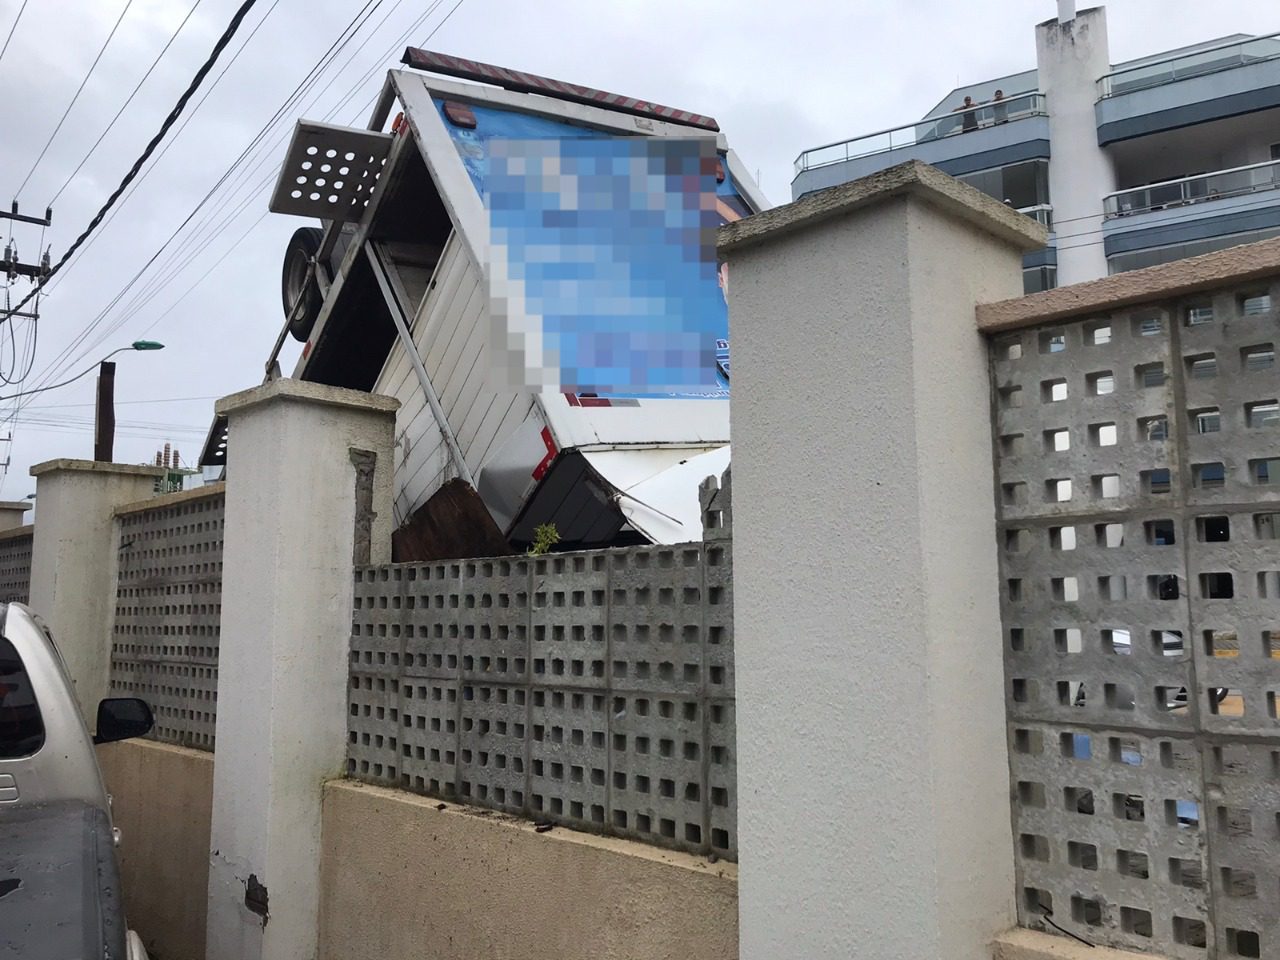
(308, 491)
(12, 513)
(873, 779)
(1071, 56)
(73, 562)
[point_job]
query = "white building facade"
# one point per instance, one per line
(1129, 165)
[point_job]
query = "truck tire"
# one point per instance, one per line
(303, 246)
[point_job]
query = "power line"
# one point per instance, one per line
(79, 90)
(111, 123)
(55, 386)
(399, 43)
(300, 90)
(146, 298)
(180, 259)
(185, 122)
(12, 28)
(150, 149)
(226, 174)
(121, 403)
(196, 110)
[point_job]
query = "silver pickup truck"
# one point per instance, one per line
(60, 896)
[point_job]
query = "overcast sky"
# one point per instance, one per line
(779, 77)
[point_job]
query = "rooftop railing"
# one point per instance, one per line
(1226, 57)
(1238, 181)
(961, 121)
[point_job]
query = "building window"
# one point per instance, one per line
(1136, 260)
(1020, 185)
(1039, 279)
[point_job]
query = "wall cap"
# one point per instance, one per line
(912, 178)
(95, 466)
(15, 533)
(170, 499)
(1023, 944)
(1222, 268)
(23, 505)
(305, 391)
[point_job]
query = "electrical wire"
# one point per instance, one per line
(1047, 915)
(169, 121)
(191, 115)
(342, 39)
(79, 90)
(121, 403)
(188, 117)
(55, 386)
(273, 175)
(111, 123)
(404, 37)
(303, 89)
(12, 28)
(196, 248)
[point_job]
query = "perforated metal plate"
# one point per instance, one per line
(330, 172)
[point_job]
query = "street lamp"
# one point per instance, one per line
(136, 345)
(104, 415)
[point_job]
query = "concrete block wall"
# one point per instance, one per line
(15, 564)
(591, 689)
(168, 608)
(1137, 447)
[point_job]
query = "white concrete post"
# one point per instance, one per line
(308, 488)
(73, 562)
(873, 779)
(1071, 56)
(11, 513)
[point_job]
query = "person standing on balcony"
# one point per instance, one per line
(1000, 107)
(970, 119)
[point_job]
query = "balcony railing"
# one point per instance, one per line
(1226, 57)
(1236, 182)
(962, 121)
(1042, 213)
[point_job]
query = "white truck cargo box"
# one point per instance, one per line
(397, 296)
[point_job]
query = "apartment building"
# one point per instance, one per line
(1129, 164)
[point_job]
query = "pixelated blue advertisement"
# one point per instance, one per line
(603, 277)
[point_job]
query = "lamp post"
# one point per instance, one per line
(104, 411)
(104, 414)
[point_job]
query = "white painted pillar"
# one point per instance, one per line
(73, 562)
(12, 512)
(1071, 56)
(873, 778)
(308, 482)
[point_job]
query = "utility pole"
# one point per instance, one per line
(104, 417)
(11, 267)
(13, 214)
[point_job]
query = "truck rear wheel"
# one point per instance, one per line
(303, 246)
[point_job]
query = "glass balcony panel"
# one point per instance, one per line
(1198, 189)
(1190, 65)
(951, 124)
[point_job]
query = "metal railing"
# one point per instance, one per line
(1238, 181)
(981, 115)
(1041, 212)
(1225, 57)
